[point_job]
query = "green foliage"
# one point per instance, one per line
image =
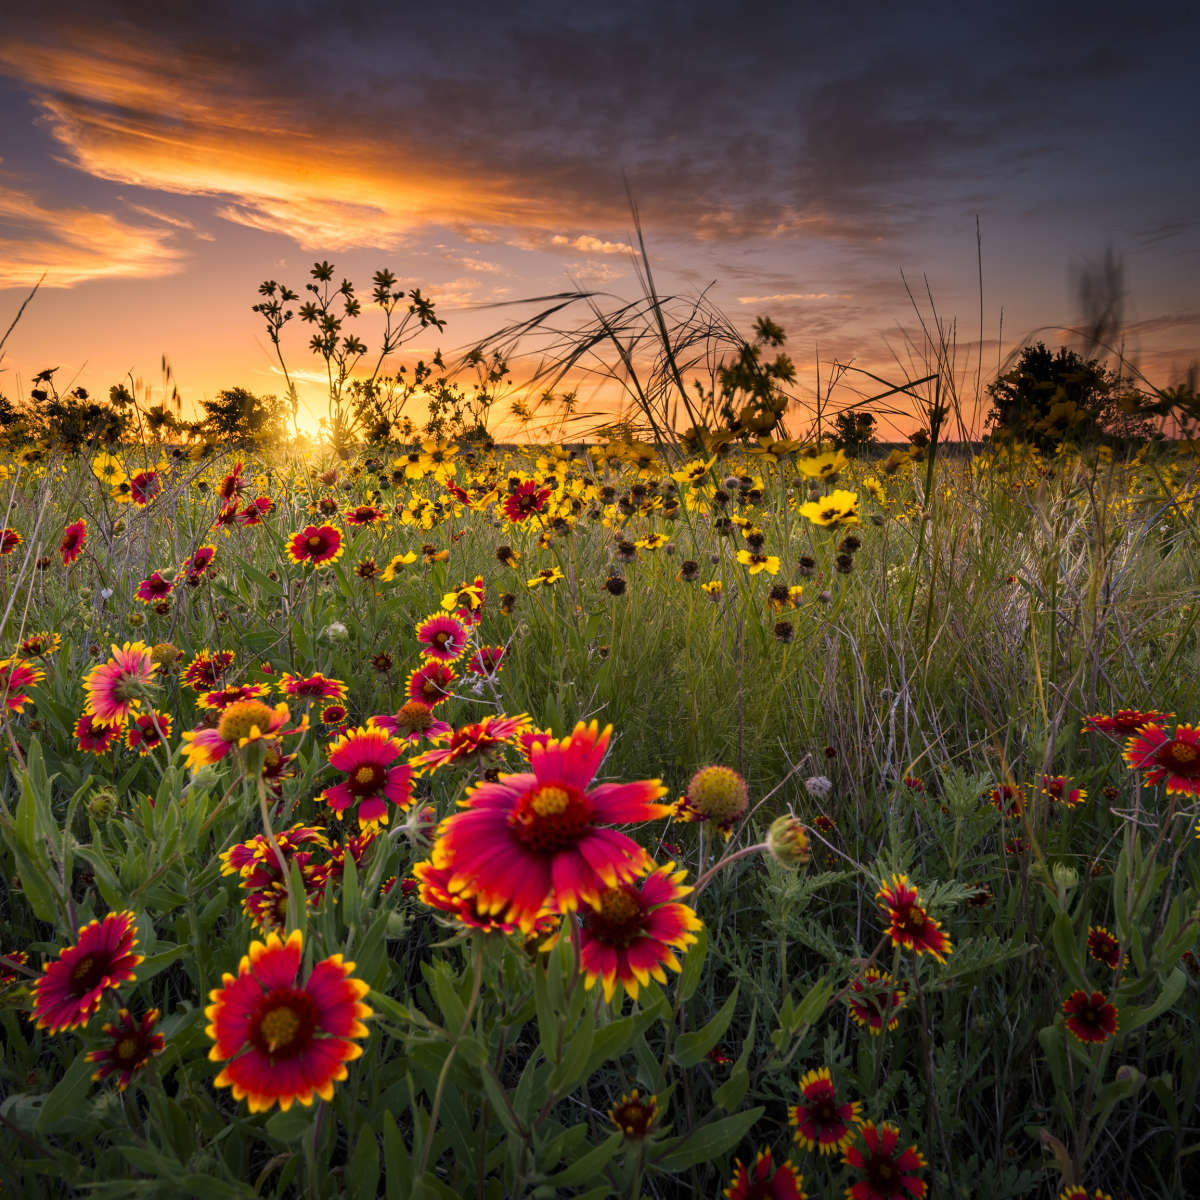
(237, 415)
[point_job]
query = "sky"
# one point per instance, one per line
(844, 169)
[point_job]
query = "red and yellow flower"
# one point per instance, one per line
(442, 637)
(316, 545)
(632, 931)
(431, 683)
(1091, 1018)
(281, 1039)
(531, 840)
(131, 1045)
(147, 731)
(115, 688)
(365, 755)
(243, 722)
(73, 985)
(910, 925)
(16, 677)
(1165, 758)
(763, 1180)
(1103, 947)
(875, 1000)
(74, 539)
(821, 1123)
(886, 1174)
(634, 1115)
(476, 745)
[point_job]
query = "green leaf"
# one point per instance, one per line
(362, 1171)
(693, 966)
(574, 1063)
(731, 1093)
(292, 1125)
(710, 1140)
(397, 1166)
(1134, 1016)
(588, 1166)
(1066, 947)
(690, 1048)
(67, 1097)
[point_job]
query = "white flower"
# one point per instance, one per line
(818, 786)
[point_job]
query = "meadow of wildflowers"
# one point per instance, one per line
(747, 821)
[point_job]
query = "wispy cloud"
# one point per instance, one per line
(780, 297)
(74, 245)
(588, 244)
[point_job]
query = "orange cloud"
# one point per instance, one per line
(74, 245)
(180, 129)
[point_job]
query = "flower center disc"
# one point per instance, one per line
(87, 973)
(1182, 754)
(315, 542)
(241, 717)
(550, 818)
(283, 1022)
(619, 919)
(367, 779)
(126, 1050)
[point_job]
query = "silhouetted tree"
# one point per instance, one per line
(854, 431)
(1047, 399)
(237, 414)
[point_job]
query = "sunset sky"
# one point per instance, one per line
(158, 161)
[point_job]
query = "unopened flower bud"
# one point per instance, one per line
(102, 805)
(787, 842)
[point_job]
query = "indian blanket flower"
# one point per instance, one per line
(525, 500)
(530, 838)
(312, 687)
(1008, 800)
(10, 967)
(433, 890)
(430, 683)
(316, 545)
(115, 688)
(74, 539)
(241, 723)
(147, 731)
(763, 1180)
(207, 670)
(1091, 1018)
(365, 756)
(1173, 760)
(144, 486)
(222, 698)
(875, 1000)
(1061, 789)
(131, 1045)
(486, 661)
(39, 645)
(155, 588)
(16, 677)
(476, 745)
(73, 985)
(93, 736)
(1124, 722)
(10, 539)
(910, 926)
(199, 563)
(1081, 1193)
(283, 1039)
(442, 637)
(821, 1123)
(886, 1174)
(631, 932)
(1103, 947)
(634, 1115)
(413, 721)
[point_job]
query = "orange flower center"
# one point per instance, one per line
(315, 542)
(618, 919)
(413, 717)
(126, 1050)
(550, 818)
(87, 973)
(241, 717)
(367, 779)
(283, 1023)
(1183, 753)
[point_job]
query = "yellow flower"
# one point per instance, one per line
(822, 466)
(108, 469)
(713, 588)
(546, 576)
(758, 562)
(838, 508)
(398, 561)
